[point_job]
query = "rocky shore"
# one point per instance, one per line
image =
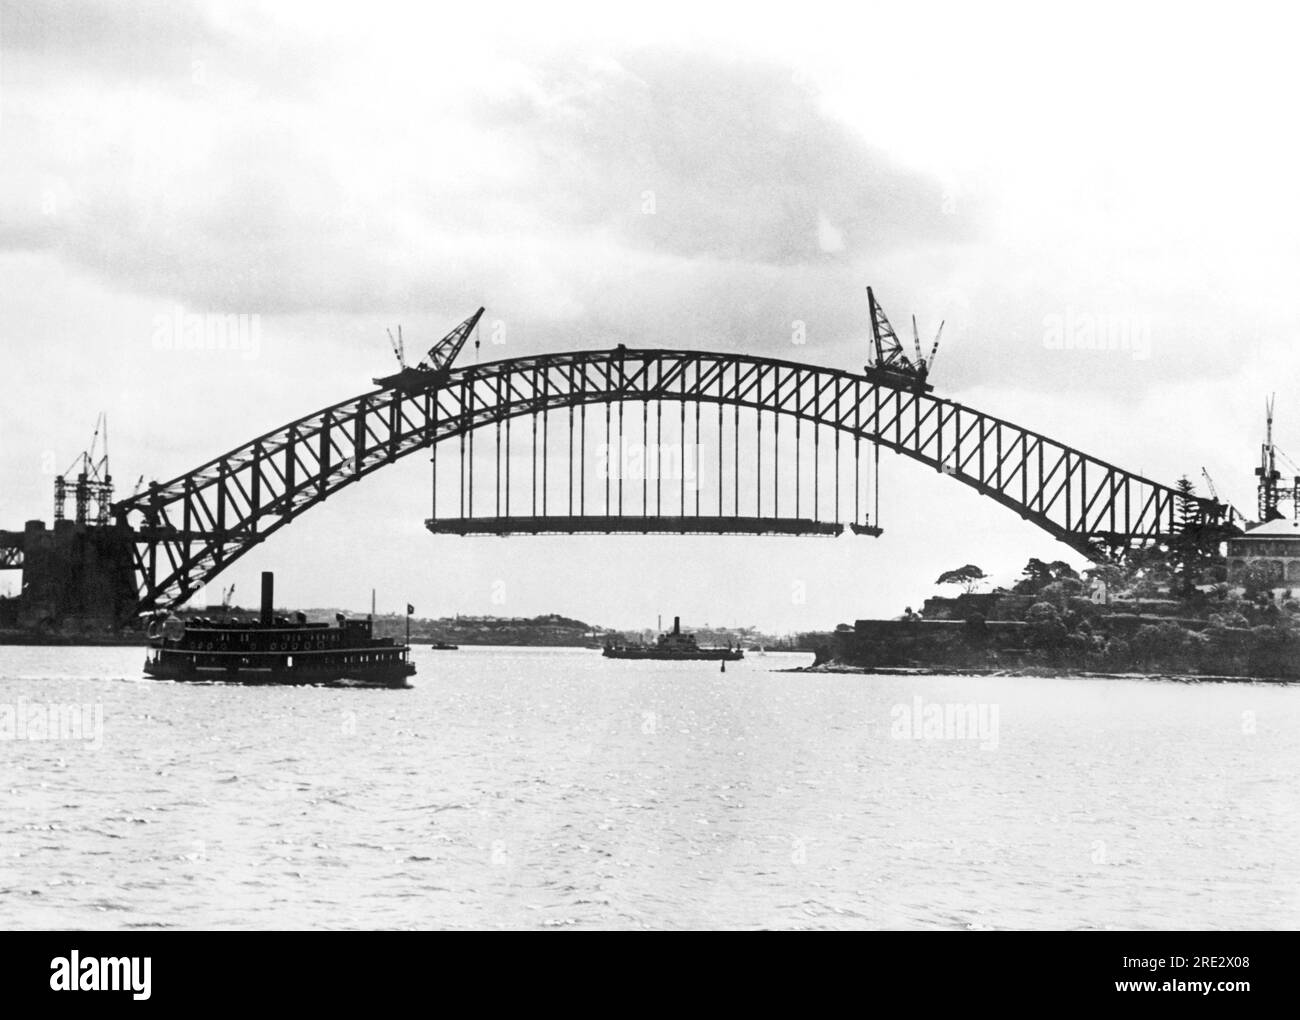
(1028, 671)
(1164, 611)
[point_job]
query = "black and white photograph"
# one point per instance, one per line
(667, 467)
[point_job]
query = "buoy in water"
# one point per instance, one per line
(724, 666)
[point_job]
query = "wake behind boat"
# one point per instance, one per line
(674, 645)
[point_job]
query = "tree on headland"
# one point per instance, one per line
(1257, 581)
(1174, 567)
(1037, 575)
(1160, 644)
(969, 577)
(1185, 504)
(1047, 631)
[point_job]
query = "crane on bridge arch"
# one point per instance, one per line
(187, 530)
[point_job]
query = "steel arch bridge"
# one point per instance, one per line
(187, 530)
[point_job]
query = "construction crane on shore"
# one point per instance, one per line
(1271, 493)
(90, 481)
(1233, 512)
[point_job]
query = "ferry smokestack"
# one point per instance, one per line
(677, 624)
(268, 597)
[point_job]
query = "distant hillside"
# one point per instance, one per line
(550, 629)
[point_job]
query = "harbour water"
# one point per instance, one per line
(536, 788)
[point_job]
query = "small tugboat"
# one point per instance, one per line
(274, 650)
(674, 645)
(444, 646)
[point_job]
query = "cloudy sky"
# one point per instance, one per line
(337, 169)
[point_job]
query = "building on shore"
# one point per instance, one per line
(1274, 547)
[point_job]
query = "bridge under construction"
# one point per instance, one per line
(626, 440)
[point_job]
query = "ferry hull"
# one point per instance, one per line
(698, 655)
(379, 676)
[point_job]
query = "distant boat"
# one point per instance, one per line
(674, 645)
(444, 646)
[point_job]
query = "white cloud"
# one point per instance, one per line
(829, 239)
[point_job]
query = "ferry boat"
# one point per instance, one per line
(274, 650)
(674, 645)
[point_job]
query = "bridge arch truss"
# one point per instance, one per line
(189, 529)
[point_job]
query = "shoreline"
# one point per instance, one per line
(21, 640)
(1040, 672)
